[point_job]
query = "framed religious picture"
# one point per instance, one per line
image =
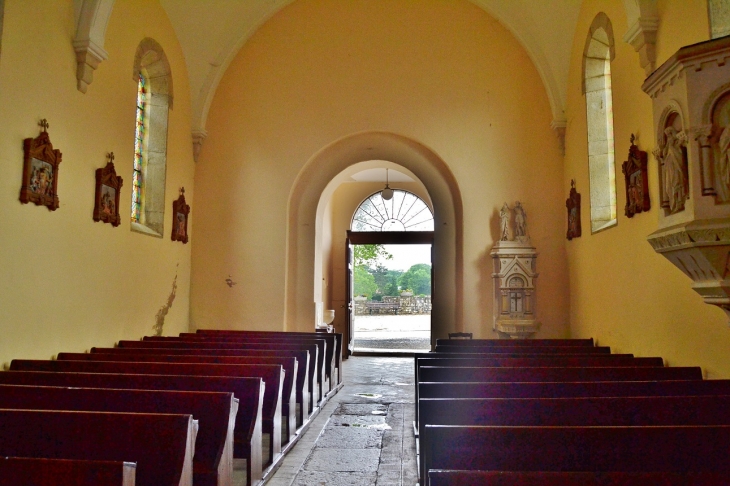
(180, 213)
(108, 187)
(573, 205)
(40, 170)
(637, 182)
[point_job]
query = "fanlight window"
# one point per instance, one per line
(404, 212)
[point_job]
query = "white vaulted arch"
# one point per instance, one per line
(306, 200)
(93, 18)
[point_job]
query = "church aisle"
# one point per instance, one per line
(364, 435)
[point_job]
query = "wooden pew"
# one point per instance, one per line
(440, 374)
(325, 348)
(515, 342)
(677, 449)
(454, 348)
(542, 361)
(316, 382)
(613, 411)
(215, 413)
(337, 341)
(249, 392)
(29, 471)
(290, 365)
(574, 389)
(439, 477)
(306, 368)
(273, 376)
(161, 444)
(592, 358)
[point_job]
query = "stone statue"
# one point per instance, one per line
(504, 215)
(520, 224)
(722, 166)
(674, 179)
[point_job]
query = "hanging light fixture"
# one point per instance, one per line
(387, 193)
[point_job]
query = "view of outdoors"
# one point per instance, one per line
(392, 297)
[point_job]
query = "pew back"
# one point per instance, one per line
(15, 471)
(161, 444)
(506, 478)
(454, 348)
(515, 342)
(214, 411)
(249, 392)
(440, 374)
(290, 365)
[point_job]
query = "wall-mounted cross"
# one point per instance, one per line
(110, 156)
(43, 124)
(182, 191)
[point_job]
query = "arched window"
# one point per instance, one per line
(154, 100)
(403, 212)
(597, 56)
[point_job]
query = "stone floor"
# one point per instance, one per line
(364, 435)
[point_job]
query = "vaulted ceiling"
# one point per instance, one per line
(211, 32)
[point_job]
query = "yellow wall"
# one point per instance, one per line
(623, 293)
(441, 74)
(66, 282)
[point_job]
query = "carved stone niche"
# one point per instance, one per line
(514, 278)
(691, 98)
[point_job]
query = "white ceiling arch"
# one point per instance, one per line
(212, 32)
(222, 27)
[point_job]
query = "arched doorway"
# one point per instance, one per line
(389, 270)
(309, 200)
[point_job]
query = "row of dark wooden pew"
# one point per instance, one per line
(566, 412)
(174, 411)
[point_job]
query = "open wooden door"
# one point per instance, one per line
(382, 238)
(350, 333)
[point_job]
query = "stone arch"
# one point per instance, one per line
(150, 57)
(305, 202)
(88, 43)
(601, 31)
(151, 62)
(597, 55)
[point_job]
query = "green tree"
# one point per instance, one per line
(391, 286)
(370, 254)
(417, 278)
(364, 283)
(380, 273)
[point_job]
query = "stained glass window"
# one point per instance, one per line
(403, 212)
(139, 148)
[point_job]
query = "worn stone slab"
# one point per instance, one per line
(343, 460)
(355, 420)
(350, 438)
(312, 478)
(360, 409)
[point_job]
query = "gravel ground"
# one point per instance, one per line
(394, 333)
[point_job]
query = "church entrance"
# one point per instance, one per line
(390, 275)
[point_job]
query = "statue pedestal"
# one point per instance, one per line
(514, 265)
